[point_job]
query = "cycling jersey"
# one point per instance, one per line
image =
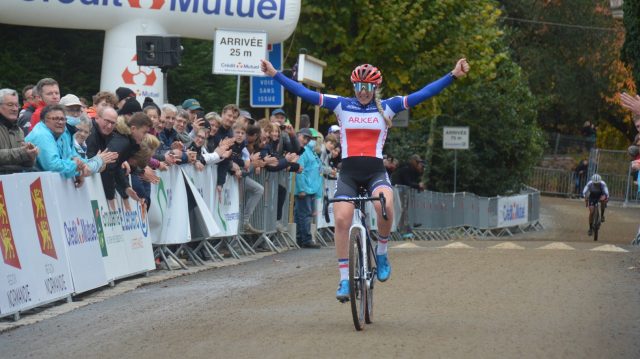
(363, 130)
(595, 191)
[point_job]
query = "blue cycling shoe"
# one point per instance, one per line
(384, 267)
(342, 294)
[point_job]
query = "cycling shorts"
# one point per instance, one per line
(356, 172)
(595, 197)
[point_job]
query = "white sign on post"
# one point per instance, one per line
(455, 138)
(239, 52)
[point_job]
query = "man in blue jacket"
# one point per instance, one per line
(57, 153)
(308, 185)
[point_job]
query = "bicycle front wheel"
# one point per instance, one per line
(357, 284)
(596, 222)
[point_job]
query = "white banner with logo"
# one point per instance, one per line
(18, 267)
(226, 211)
(168, 217)
(329, 190)
(35, 267)
(123, 232)
(197, 181)
(79, 231)
(513, 211)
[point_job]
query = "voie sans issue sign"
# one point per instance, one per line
(239, 52)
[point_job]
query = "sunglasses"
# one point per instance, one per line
(359, 86)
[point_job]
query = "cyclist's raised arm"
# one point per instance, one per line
(434, 88)
(315, 98)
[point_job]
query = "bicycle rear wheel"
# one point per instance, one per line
(357, 284)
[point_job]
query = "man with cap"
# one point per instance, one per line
(246, 117)
(192, 106)
(72, 105)
(123, 94)
(308, 187)
(334, 129)
(288, 137)
(129, 107)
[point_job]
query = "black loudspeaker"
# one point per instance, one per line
(161, 51)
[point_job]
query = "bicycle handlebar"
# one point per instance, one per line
(383, 204)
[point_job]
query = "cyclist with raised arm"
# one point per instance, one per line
(364, 121)
(597, 191)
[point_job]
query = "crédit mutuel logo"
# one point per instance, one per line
(264, 9)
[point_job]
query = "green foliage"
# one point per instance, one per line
(414, 43)
(631, 48)
(569, 68)
(194, 79)
(72, 57)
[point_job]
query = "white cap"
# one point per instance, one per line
(334, 128)
(70, 100)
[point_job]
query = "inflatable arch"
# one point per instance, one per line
(123, 20)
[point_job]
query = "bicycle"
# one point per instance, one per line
(362, 258)
(597, 220)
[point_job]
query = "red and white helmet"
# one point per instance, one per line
(366, 73)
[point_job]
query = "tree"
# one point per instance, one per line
(414, 43)
(569, 51)
(631, 48)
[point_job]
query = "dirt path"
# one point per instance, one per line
(480, 301)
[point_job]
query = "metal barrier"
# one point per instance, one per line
(553, 181)
(435, 215)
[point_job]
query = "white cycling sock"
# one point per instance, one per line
(343, 266)
(382, 244)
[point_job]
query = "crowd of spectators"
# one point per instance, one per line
(116, 137)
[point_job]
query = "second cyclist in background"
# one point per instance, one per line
(595, 191)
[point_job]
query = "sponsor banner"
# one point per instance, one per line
(513, 211)
(167, 215)
(17, 279)
(35, 267)
(79, 230)
(135, 227)
(397, 209)
(113, 251)
(330, 189)
(123, 232)
(226, 211)
(204, 222)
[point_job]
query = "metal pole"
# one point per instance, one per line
(455, 169)
(238, 92)
(165, 73)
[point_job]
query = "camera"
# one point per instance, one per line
(199, 113)
(282, 127)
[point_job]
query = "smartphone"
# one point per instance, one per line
(199, 113)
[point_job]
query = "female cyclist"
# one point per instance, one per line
(364, 121)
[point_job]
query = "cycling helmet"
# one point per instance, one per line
(596, 178)
(366, 73)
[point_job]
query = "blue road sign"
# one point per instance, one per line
(265, 91)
